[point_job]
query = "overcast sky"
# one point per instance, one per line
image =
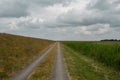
(61, 19)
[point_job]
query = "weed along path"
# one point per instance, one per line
(59, 72)
(26, 72)
(81, 67)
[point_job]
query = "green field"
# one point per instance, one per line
(92, 60)
(17, 51)
(106, 53)
(83, 60)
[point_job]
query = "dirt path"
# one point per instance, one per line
(23, 74)
(59, 72)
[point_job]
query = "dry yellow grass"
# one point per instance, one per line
(44, 70)
(17, 51)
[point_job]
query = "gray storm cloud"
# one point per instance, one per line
(102, 11)
(13, 8)
(64, 19)
(19, 8)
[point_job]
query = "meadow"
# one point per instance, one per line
(17, 51)
(107, 53)
(82, 67)
(44, 70)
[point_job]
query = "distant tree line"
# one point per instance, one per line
(110, 40)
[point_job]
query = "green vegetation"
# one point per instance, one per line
(17, 51)
(81, 67)
(44, 70)
(106, 53)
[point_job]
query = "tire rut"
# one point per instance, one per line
(24, 74)
(59, 72)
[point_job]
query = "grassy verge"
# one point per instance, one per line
(17, 51)
(44, 70)
(84, 68)
(106, 53)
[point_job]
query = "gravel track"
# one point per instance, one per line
(59, 72)
(24, 74)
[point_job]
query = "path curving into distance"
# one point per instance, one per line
(59, 72)
(24, 74)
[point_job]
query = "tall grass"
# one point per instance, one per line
(17, 51)
(44, 70)
(81, 67)
(107, 53)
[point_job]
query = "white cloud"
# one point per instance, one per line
(95, 29)
(61, 19)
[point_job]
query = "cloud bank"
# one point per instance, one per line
(61, 19)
